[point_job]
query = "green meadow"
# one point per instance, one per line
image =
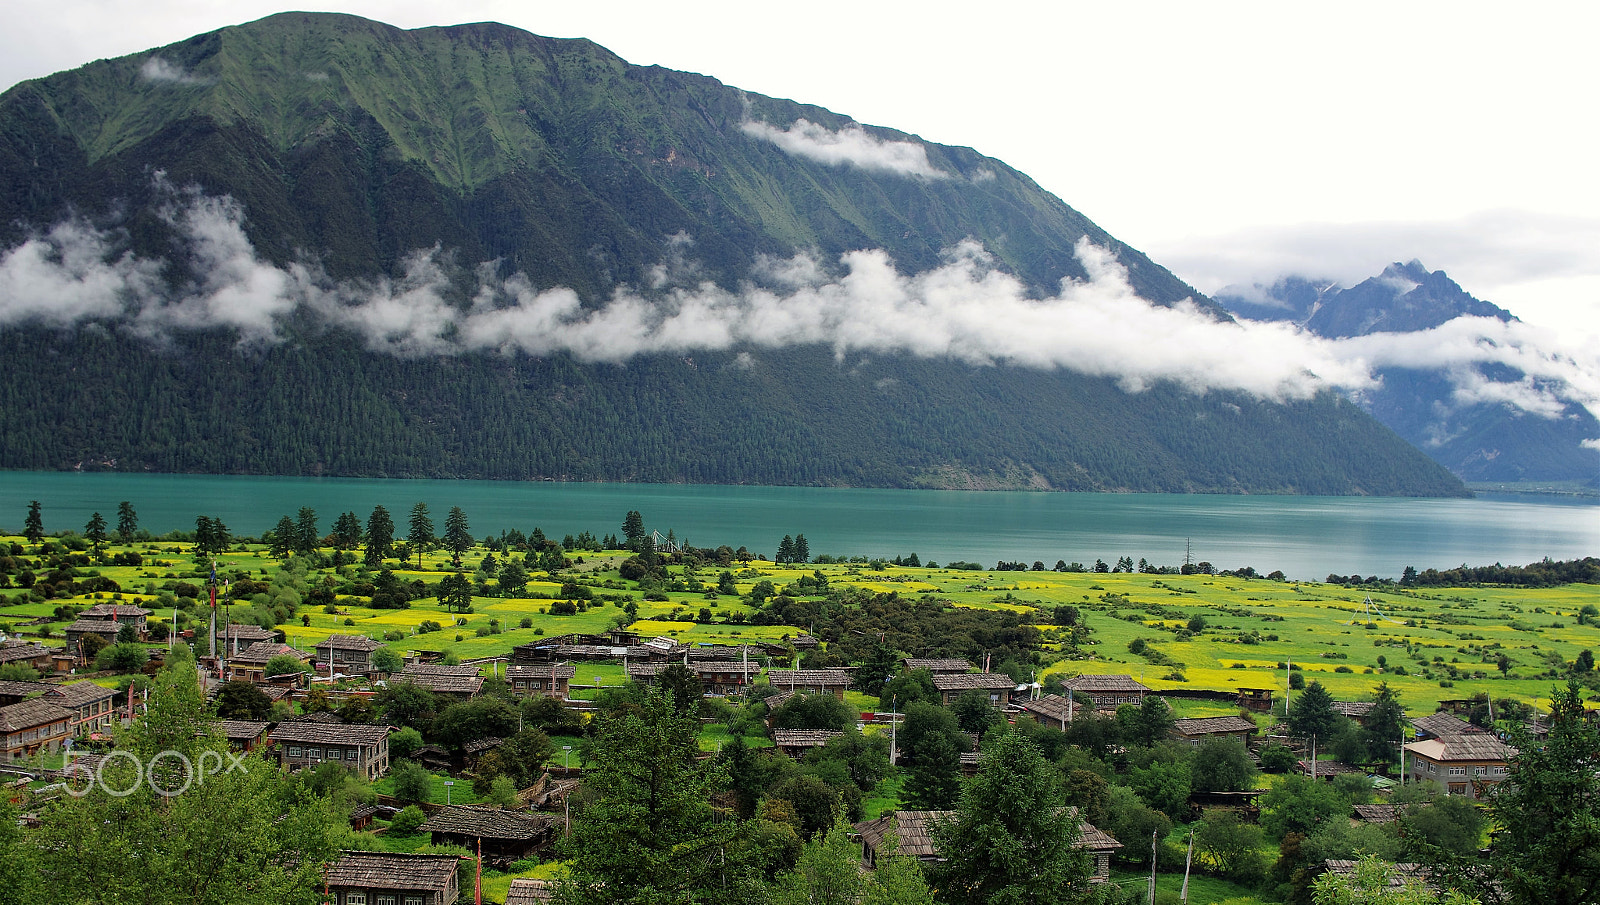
(1428, 644)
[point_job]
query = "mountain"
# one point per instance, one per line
(1488, 441)
(316, 244)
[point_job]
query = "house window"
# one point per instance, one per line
(1480, 771)
(413, 900)
(385, 900)
(355, 898)
(296, 751)
(1458, 771)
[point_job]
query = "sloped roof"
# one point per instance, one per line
(488, 823)
(982, 681)
(242, 730)
(263, 651)
(77, 694)
(11, 652)
(314, 733)
(1478, 746)
(915, 830)
(382, 870)
(28, 714)
(819, 677)
(1213, 725)
(560, 671)
(528, 891)
(1093, 683)
(1442, 724)
(439, 669)
(1054, 707)
(803, 738)
(349, 642)
(448, 684)
(1353, 709)
(96, 626)
(1379, 813)
(939, 665)
(122, 610)
(24, 689)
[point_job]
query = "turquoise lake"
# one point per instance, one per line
(1305, 537)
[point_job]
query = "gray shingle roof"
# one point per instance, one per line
(830, 678)
(488, 823)
(982, 681)
(803, 738)
(939, 665)
(1091, 683)
(349, 642)
(380, 870)
(29, 714)
(315, 733)
(1213, 724)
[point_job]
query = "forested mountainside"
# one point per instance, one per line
(348, 154)
(1480, 441)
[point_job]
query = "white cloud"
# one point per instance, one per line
(157, 69)
(965, 309)
(850, 146)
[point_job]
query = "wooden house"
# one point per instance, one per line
(90, 705)
(244, 735)
(382, 878)
(250, 664)
(32, 727)
(914, 833)
(348, 654)
(27, 652)
(238, 636)
(104, 629)
(939, 666)
(1255, 700)
(552, 681)
(796, 742)
(1197, 731)
(461, 683)
(307, 743)
(1108, 692)
(998, 687)
(827, 681)
(506, 836)
(1469, 765)
(1054, 710)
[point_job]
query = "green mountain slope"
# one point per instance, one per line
(350, 145)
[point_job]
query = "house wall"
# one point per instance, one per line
(1458, 776)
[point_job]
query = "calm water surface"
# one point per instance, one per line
(1306, 537)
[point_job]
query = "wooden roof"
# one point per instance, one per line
(939, 665)
(121, 610)
(383, 870)
(242, 730)
(1476, 747)
(824, 678)
(1054, 707)
(803, 738)
(448, 684)
(25, 689)
(982, 681)
(1355, 710)
(262, 652)
(1213, 725)
(439, 669)
(30, 714)
(1379, 813)
(1092, 683)
(77, 694)
(558, 670)
(317, 733)
(349, 642)
(488, 823)
(11, 652)
(1329, 767)
(96, 626)
(1442, 724)
(915, 830)
(528, 891)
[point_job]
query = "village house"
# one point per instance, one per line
(90, 705)
(1198, 730)
(460, 683)
(104, 629)
(1054, 710)
(308, 743)
(1441, 724)
(381, 878)
(939, 666)
(250, 664)
(826, 681)
(27, 652)
(506, 836)
(553, 681)
(32, 727)
(998, 687)
(348, 654)
(1108, 692)
(1467, 765)
(914, 833)
(244, 735)
(1255, 700)
(717, 677)
(238, 636)
(796, 742)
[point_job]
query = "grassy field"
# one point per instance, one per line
(1436, 644)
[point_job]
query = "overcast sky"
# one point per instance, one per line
(1232, 142)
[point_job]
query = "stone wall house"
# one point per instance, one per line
(999, 687)
(245, 735)
(348, 654)
(826, 681)
(552, 681)
(1467, 765)
(1198, 730)
(105, 629)
(307, 743)
(1108, 692)
(381, 878)
(32, 727)
(120, 613)
(90, 705)
(250, 664)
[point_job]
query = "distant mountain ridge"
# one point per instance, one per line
(416, 165)
(1481, 441)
